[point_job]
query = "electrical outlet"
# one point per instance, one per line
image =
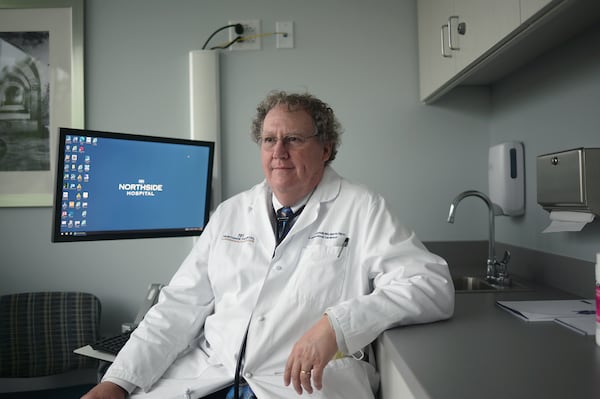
(285, 34)
(251, 33)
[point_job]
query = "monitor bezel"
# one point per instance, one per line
(123, 234)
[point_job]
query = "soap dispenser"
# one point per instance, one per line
(506, 177)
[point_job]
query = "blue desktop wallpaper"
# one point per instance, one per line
(114, 184)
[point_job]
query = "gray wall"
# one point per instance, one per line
(551, 105)
(361, 57)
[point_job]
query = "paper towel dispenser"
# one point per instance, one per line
(569, 180)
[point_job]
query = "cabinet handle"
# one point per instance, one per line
(450, 29)
(443, 41)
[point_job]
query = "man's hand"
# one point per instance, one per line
(309, 357)
(106, 390)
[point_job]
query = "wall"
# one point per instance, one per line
(551, 105)
(361, 57)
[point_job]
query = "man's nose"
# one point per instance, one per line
(280, 149)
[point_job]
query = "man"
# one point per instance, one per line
(287, 315)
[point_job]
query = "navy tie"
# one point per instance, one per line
(284, 221)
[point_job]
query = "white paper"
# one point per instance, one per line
(585, 325)
(568, 221)
(549, 310)
(91, 352)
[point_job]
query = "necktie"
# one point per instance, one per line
(284, 221)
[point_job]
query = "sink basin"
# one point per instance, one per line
(467, 283)
(479, 284)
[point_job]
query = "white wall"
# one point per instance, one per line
(361, 57)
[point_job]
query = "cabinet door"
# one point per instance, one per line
(434, 68)
(486, 23)
(393, 385)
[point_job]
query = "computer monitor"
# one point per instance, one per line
(120, 186)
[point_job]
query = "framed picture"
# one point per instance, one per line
(41, 89)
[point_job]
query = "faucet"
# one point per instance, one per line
(496, 271)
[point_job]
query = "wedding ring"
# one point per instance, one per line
(305, 372)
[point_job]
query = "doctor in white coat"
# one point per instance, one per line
(295, 317)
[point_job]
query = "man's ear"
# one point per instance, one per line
(327, 150)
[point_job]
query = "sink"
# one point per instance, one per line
(479, 284)
(468, 283)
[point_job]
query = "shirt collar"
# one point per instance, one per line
(295, 207)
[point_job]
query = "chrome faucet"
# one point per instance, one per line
(496, 271)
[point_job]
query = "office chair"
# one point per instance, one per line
(38, 333)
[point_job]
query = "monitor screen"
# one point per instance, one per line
(117, 186)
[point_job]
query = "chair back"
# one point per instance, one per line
(40, 330)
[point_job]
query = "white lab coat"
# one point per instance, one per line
(235, 275)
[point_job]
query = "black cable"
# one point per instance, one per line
(237, 39)
(238, 367)
(239, 29)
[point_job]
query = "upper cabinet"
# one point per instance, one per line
(454, 33)
(477, 25)
(436, 63)
(479, 41)
(530, 7)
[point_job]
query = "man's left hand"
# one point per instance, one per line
(309, 356)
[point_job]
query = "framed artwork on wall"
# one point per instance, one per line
(41, 89)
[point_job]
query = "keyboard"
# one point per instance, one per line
(112, 344)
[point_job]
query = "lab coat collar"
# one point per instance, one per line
(327, 190)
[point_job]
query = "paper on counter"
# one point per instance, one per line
(584, 325)
(549, 310)
(568, 221)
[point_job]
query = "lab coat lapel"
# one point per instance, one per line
(327, 190)
(260, 212)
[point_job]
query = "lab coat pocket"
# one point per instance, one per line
(321, 273)
(349, 378)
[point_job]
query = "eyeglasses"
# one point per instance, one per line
(290, 141)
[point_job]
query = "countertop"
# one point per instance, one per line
(483, 351)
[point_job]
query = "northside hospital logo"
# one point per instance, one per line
(140, 189)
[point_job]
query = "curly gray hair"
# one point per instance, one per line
(329, 129)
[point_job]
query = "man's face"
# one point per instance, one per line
(292, 169)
